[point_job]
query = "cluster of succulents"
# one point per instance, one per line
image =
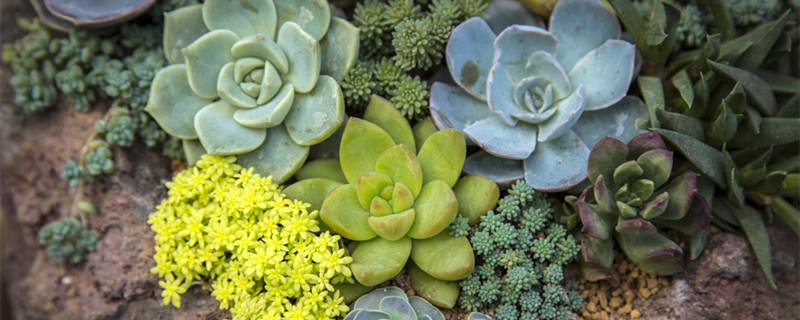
(264, 91)
(262, 251)
(397, 198)
(399, 38)
(536, 100)
(67, 240)
(521, 254)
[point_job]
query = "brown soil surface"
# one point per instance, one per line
(115, 283)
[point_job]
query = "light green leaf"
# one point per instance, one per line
(362, 143)
(370, 185)
(439, 292)
(312, 191)
(181, 27)
(378, 260)
(221, 135)
(321, 168)
(444, 257)
(316, 115)
(442, 156)
(244, 17)
(304, 56)
(476, 195)
(436, 207)
(193, 150)
(400, 164)
(172, 102)
(339, 48)
(384, 114)
(205, 58)
(278, 156)
(345, 216)
(394, 226)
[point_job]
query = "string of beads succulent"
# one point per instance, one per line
(521, 254)
(261, 252)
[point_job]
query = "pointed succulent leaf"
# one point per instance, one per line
(656, 165)
(278, 156)
(597, 254)
(737, 98)
(221, 135)
(614, 57)
(581, 27)
(442, 156)
(635, 227)
(370, 185)
(262, 47)
(244, 18)
(683, 83)
(732, 179)
(451, 107)
(653, 93)
(502, 171)
(470, 56)
(514, 46)
(752, 119)
(655, 207)
(193, 150)
(398, 308)
(402, 199)
(706, 158)
(568, 111)
(173, 104)
(758, 91)
(436, 207)
(596, 222)
(316, 115)
(372, 300)
(774, 131)
(400, 164)
(424, 308)
(763, 39)
(313, 16)
(362, 143)
(384, 114)
(681, 193)
(557, 165)
(682, 123)
(303, 53)
(603, 195)
(723, 126)
(438, 292)
(378, 260)
(339, 48)
(270, 114)
(444, 257)
(205, 58)
(617, 121)
(394, 226)
(753, 226)
(626, 210)
(380, 207)
(606, 155)
(312, 191)
(696, 219)
(181, 27)
(653, 252)
(345, 216)
(502, 140)
(476, 195)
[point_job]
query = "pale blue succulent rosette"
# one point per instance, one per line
(257, 79)
(537, 100)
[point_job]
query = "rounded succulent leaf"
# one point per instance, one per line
(270, 114)
(545, 65)
(617, 121)
(393, 226)
(339, 48)
(477, 316)
(303, 53)
(476, 195)
(372, 300)
(502, 140)
(442, 156)
(657, 165)
(557, 164)
(438, 292)
(470, 56)
(503, 171)
(500, 94)
(402, 199)
(241, 17)
(370, 185)
(262, 47)
(423, 130)
(398, 308)
(580, 26)
(627, 172)
(205, 58)
(681, 192)
(444, 257)
(345, 216)
(173, 104)
(182, 26)
(221, 135)
(423, 308)
(606, 155)
(316, 115)
(193, 150)
(605, 73)
(313, 16)
(436, 206)
(278, 156)
(568, 111)
(400, 164)
(378, 260)
(312, 191)
(362, 143)
(384, 114)
(451, 107)
(516, 43)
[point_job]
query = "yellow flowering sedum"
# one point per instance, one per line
(260, 250)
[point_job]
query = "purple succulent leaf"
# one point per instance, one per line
(558, 164)
(697, 219)
(655, 207)
(502, 171)
(603, 196)
(682, 190)
(514, 46)
(470, 55)
(451, 107)
(606, 155)
(657, 165)
(581, 26)
(596, 223)
(605, 73)
(568, 111)
(544, 64)
(645, 142)
(653, 253)
(635, 227)
(499, 139)
(617, 121)
(598, 258)
(501, 94)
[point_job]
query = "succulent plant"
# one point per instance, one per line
(631, 198)
(397, 201)
(257, 79)
(65, 15)
(392, 303)
(537, 100)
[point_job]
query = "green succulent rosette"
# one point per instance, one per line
(257, 79)
(396, 199)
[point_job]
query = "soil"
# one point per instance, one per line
(115, 282)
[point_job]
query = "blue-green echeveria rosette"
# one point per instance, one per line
(536, 100)
(253, 78)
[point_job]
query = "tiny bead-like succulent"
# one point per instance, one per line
(67, 240)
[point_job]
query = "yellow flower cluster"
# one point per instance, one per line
(262, 251)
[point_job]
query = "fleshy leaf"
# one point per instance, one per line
(313, 16)
(339, 48)
(617, 121)
(229, 90)
(278, 156)
(774, 131)
(476, 195)
(400, 164)
(362, 143)
(598, 256)
(444, 257)
(500, 94)
(605, 73)
(758, 91)
(312, 191)
(655, 207)
(644, 142)
(603, 195)
(681, 192)
(372, 300)
(193, 150)
(204, 59)
(425, 308)
(378, 260)
(580, 27)
(653, 252)
(657, 165)
(503, 140)
(383, 113)
(502, 171)
(402, 199)
(370, 185)
(394, 226)
(172, 102)
(343, 214)
(243, 17)
(470, 56)
(568, 111)
(439, 292)
(558, 164)
(181, 27)
(269, 115)
(451, 107)
(398, 308)
(606, 155)
(696, 219)
(515, 45)
(706, 158)
(221, 135)
(436, 206)
(442, 157)
(544, 64)
(422, 130)
(304, 56)
(316, 115)
(262, 47)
